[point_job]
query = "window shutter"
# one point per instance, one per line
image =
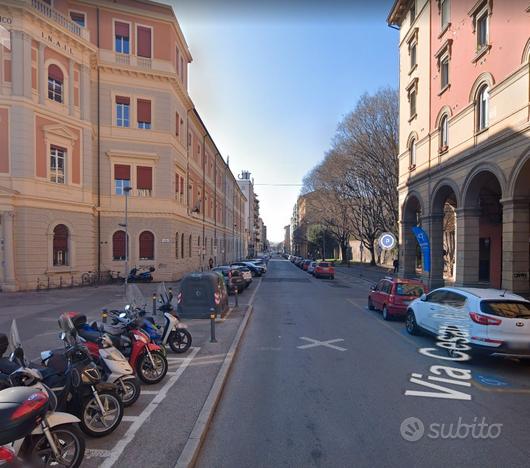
(147, 245)
(144, 178)
(144, 42)
(177, 124)
(121, 29)
(118, 245)
(123, 100)
(144, 110)
(182, 185)
(177, 180)
(55, 73)
(122, 172)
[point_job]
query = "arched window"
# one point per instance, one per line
(482, 107)
(182, 246)
(55, 83)
(60, 245)
(444, 133)
(189, 247)
(177, 245)
(118, 245)
(147, 245)
(412, 153)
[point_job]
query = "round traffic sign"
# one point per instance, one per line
(387, 241)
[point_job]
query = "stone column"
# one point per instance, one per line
(84, 89)
(467, 246)
(407, 255)
(9, 254)
(434, 224)
(70, 87)
(21, 63)
(515, 245)
(43, 79)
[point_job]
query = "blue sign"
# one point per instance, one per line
(423, 241)
(492, 381)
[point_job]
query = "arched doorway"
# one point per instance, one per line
(443, 236)
(480, 232)
(411, 259)
(516, 233)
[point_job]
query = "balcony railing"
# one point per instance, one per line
(47, 11)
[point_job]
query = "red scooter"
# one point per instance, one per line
(146, 358)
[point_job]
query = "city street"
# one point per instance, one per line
(320, 381)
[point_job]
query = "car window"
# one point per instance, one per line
(437, 296)
(408, 289)
(453, 299)
(323, 264)
(508, 309)
(380, 285)
(387, 287)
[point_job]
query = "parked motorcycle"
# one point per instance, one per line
(140, 275)
(146, 358)
(113, 364)
(77, 383)
(172, 331)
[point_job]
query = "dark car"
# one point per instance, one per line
(305, 264)
(200, 293)
(245, 271)
(254, 269)
(233, 278)
(392, 296)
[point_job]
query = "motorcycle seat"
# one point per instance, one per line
(89, 334)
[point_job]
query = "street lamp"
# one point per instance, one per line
(126, 226)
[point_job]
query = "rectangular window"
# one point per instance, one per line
(482, 30)
(144, 181)
(123, 105)
(412, 50)
(55, 90)
(444, 13)
(78, 17)
(122, 178)
(444, 72)
(144, 113)
(144, 41)
(57, 164)
(121, 31)
(412, 99)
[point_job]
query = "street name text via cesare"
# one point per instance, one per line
(445, 381)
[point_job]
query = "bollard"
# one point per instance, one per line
(212, 327)
(154, 303)
(104, 315)
(60, 281)
(237, 296)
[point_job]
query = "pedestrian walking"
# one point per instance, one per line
(396, 265)
(210, 263)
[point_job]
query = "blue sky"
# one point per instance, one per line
(271, 83)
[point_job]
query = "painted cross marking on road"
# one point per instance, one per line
(315, 343)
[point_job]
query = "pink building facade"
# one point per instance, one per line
(464, 172)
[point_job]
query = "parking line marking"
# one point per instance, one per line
(118, 449)
(100, 453)
(129, 418)
(149, 392)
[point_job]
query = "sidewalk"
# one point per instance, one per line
(365, 272)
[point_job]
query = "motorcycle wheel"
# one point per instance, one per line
(179, 340)
(93, 422)
(37, 451)
(145, 370)
(129, 390)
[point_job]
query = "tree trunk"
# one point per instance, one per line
(344, 252)
(372, 254)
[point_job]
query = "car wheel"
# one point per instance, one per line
(332, 277)
(370, 304)
(386, 315)
(411, 325)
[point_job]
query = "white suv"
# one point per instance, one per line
(492, 320)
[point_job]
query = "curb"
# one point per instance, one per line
(190, 452)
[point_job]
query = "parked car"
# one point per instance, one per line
(324, 269)
(392, 296)
(245, 271)
(496, 322)
(305, 264)
(259, 262)
(311, 267)
(200, 293)
(233, 278)
(254, 269)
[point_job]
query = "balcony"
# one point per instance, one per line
(45, 10)
(133, 61)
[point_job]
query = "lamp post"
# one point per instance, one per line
(126, 226)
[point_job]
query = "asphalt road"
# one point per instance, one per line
(343, 404)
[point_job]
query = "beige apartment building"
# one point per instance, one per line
(93, 103)
(464, 163)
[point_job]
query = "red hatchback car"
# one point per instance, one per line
(324, 269)
(393, 295)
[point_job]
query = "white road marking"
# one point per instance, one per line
(93, 453)
(129, 418)
(149, 392)
(142, 417)
(327, 344)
